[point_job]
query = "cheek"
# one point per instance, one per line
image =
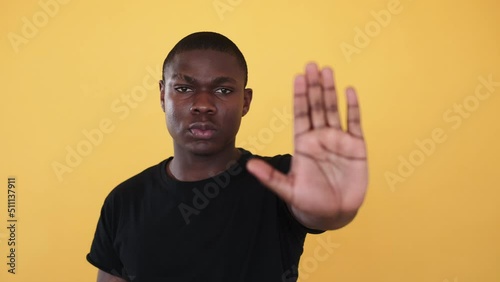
(172, 116)
(232, 118)
(233, 108)
(169, 103)
(169, 111)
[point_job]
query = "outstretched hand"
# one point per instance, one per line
(328, 177)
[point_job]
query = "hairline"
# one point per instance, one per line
(207, 40)
(167, 63)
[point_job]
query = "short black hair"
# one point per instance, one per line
(206, 40)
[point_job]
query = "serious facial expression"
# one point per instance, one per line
(204, 98)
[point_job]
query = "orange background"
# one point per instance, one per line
(431, 123)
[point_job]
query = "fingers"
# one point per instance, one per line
(270, 177)
(353, 114)
(315, 96)
(300, 109)
(316, 103)
(330, 97)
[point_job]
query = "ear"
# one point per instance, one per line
(247, 99)
(162, 94)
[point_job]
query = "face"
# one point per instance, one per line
(204, 98)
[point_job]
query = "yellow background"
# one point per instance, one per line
(442, 223)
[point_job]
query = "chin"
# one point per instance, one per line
(202, 149)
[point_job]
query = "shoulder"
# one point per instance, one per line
(135, 186)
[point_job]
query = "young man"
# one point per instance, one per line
(214, 212)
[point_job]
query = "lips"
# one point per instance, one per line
(202, 130)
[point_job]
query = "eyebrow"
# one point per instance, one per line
(217, 80)
(223, 79)
(184, 77)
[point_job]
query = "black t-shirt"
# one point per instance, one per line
(225, 228)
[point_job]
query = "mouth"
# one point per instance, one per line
(202, 130)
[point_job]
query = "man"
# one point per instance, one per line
(214, 212)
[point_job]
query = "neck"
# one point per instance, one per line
(191, 167)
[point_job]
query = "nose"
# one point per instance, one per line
(203, 103)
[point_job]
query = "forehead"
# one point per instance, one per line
(205, 65)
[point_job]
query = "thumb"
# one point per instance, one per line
(271, 177)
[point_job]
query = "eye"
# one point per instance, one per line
(223, 91)
(183, 89)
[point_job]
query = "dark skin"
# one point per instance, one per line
(204, 98)
(328, 178)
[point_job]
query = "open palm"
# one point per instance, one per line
(329, 173)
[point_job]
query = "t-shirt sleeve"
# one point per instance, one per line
(103, 253)
(294, 222)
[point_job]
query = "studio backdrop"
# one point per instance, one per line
(80, 112)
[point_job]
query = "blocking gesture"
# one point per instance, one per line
(328, 177)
